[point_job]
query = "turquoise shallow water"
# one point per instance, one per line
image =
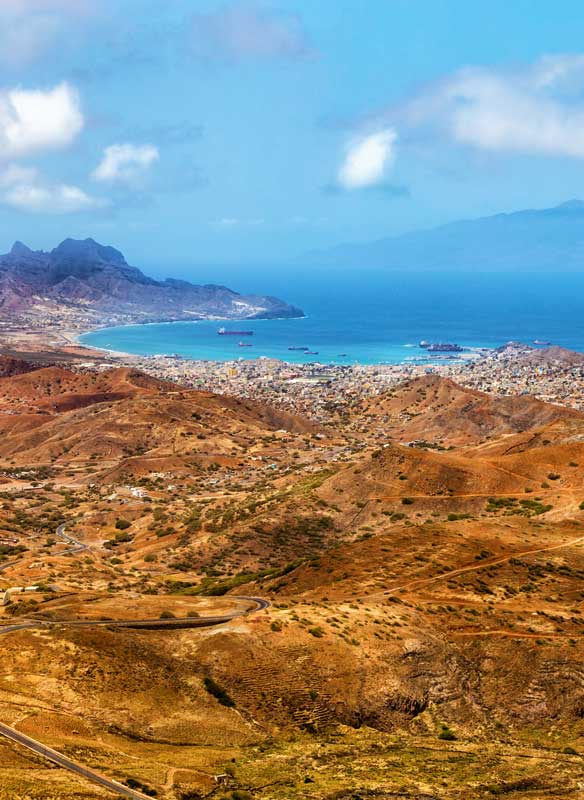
(377, 318)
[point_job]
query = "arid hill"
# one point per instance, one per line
(125, 419)
(56, 389)
(423, 635)
(554, 354)
(438, 410)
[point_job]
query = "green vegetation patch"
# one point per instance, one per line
(511, 506)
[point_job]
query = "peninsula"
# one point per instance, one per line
(82, 283)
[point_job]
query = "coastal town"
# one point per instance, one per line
(321, 391)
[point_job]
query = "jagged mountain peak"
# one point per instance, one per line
(87, 250)
(95, 280)
(19, 249)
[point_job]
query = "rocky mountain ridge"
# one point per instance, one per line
(85, 278)
(534, 239)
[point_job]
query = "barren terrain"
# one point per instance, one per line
(421, 561)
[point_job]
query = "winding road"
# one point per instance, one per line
(58, 758)
(257, 603)
(76, 547)
(67, 763)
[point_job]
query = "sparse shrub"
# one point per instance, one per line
(446, 734)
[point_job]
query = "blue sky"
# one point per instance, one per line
(213, 132)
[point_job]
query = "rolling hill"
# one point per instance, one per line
(422, 561)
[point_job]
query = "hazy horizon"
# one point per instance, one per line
(240, 131)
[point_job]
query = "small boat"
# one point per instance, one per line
(245, 344)
(342, 355)
(225, 332)
(311, 352)
(298, 348)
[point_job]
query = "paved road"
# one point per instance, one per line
(150, 624)
(258, 603)
(10, 564)
(76, 547)
(57, 758)
(63, 761)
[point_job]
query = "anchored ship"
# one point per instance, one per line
(225, 332)
(441, 347)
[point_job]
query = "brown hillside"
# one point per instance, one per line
(123, 413)
(436, 409)
(58, 389)
(421, 626)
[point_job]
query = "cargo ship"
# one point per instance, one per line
(224, 332)
(298, 348)
(245, 344)
(441, 347)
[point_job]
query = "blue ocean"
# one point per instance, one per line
(373, 317)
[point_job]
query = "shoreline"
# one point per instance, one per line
(470, 354)
(309, 388)
(67, 341)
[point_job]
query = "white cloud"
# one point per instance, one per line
(14, 175)
(368, 160)
(24, 189)
(56, 199)
(244, 31)
(29, 28)
(33, 121)
(536, 110)
(125, 162)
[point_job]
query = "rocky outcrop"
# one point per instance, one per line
(96, 280)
